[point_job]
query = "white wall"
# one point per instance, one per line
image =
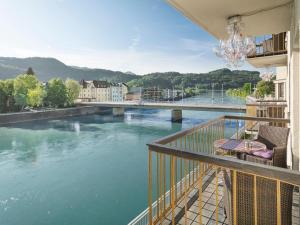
(294, 83)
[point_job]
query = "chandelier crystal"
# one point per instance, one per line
(235, 49)
(267, 76)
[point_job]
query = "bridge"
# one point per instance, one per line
(176, 107)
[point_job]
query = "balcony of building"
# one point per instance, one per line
(266, 108)
(271, 50)
(192, 180)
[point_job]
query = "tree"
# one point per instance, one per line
(7, 102)
(265, 88)
(247, 88)
(8, 87)
(189, 91)
(22, 84)
(3, 98)
(57, 95)
(36, 96)
(73, 89)
(30, 71)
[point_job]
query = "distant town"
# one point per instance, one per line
(27, 93)
(103, 91)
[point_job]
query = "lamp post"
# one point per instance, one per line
(222, 92)
(173, 94)
(212, 92)
(182, 95)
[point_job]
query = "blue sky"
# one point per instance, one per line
(141, 36)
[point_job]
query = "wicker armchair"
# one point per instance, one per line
(275, 138)
(266, 200)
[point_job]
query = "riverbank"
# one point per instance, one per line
(10, 118)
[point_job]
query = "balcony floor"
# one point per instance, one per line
(209, 206)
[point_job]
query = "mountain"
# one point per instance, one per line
(229, 79)
(47, 68)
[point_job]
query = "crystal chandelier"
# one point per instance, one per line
(235, 49)
(267, 76)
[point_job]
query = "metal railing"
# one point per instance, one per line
(276, 109)
(268, 45)
(180, 163)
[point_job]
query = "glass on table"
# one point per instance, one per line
(247, 144)
(251, 144)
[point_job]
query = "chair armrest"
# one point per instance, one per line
(279, 156)
(256, 159)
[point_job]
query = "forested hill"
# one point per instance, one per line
(229, 78)
(47, 68)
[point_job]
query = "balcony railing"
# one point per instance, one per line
(185, 176)
(268, 45)
(276, 109)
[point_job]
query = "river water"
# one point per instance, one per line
(83, 170)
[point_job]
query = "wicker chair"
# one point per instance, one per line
(266, 189)
(275, 138)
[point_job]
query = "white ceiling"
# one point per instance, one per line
(212, 15)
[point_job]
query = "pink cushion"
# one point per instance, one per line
(266, 154)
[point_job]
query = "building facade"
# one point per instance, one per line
(102, 91)
(171, 94)
(87, 91)
(275, 26)
(281, 83)
(152, 94)
(118, 92)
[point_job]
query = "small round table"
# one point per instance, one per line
(237, 147)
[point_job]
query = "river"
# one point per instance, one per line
(83, 170)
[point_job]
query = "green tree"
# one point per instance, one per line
(73, 89)
(22, 84)
(57, 95)
(247, 88)
(237, 92)
(189, 91)
(3, 98)
(9, 91)
(30, 71)
(265, 88)
(36, 96)
(7, 98)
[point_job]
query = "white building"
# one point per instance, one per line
(118, 92)
(95, 91)
(279, 21)
(87, 91)
(170, 94)
(102, 91)
(281, 83)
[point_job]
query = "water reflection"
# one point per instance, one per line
(76, 126)
(72, 124)
(26, 142)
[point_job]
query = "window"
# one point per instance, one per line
(281, 90)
